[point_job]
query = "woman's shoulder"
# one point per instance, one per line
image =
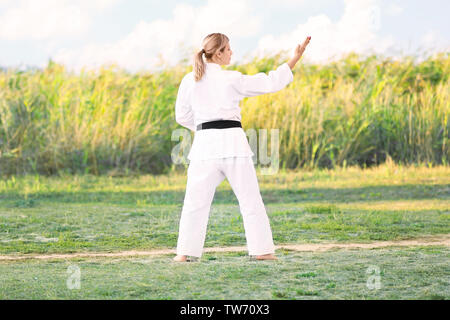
(227, 74)
(187, 79)
(189, 76)
(232, 74)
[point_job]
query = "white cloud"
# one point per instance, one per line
(5, 2)
(354, 31)
(170, 39)
(432, 41)
(285, 3)
(394, 9)
(45, 19)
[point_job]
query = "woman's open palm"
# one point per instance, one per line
(301, 47)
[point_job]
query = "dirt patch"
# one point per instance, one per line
(442, 240)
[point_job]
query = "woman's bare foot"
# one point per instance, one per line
(268, 256)
(183, 258)
(180, 258)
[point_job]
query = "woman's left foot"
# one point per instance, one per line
(180, 258)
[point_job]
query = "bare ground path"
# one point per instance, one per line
(440, 240)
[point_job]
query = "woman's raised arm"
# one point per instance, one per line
(245, 85)
(261, 83)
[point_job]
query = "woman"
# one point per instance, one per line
(208, 103)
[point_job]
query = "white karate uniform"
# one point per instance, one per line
(217, 154)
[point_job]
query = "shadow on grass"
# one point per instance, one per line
(328, 195)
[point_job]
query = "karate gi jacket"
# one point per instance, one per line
(216, 97)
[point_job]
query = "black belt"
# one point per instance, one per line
(219, 124)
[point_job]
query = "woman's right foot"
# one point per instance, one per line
(180, 258)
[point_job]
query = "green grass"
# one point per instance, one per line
(404, 273)
(90, 213)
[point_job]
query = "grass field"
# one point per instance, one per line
(90, 214)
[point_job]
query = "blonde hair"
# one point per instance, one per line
(211, 44)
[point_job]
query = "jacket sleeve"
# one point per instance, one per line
(183, 110)
(253, 85)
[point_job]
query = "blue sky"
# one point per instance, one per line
(148, 34)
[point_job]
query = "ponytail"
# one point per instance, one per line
(199, 65)
(212, 42)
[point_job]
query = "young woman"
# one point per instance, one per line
(208, 103)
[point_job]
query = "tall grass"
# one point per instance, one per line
(360, 111)
(353, 111)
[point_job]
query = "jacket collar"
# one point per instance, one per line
(213, 66)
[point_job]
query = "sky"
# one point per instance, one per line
(150, 35)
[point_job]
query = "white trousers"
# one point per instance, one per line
(203, 178)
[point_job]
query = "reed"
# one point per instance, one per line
(354, 111)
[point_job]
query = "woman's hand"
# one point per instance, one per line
(298, 53)
(301, 48)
